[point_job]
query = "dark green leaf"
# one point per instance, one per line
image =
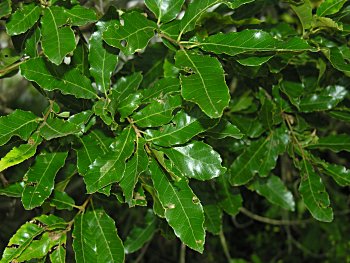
(230, 199)
(36, 249)
(31, 45)
(138, 236)
(338, 172)
(5, 8)
(274, 190)
(13, 190)
(18, 123)
(304, 12)
(101, 109)
(162, 88)
(224, 129)
(165, 10)
(335, 143)
(56, 128)
(213, 218)
(79, 15)
(205, 85)
(39, 181)
(183, 210)
(133, 36)
(129, 105)
(196, 160)
(59, 253)
(314, 194)
(50, 77)
(23, 19)
(62, 201)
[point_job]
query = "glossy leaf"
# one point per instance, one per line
(230, 199)
(158, 112)
(314, 194)
(205, 84)
(133, 168)
(274, 190)
(161, 88)
(129, 105)
(23, 19)
(138, 236)
(101, 109)
(39, 181)
(109, 168)
(59, 253)
(50, 77)
(61, 200)
(183, 210)
(57, 40)
(196, 160)
(133, 36)
(31, 45)
(224, 129)
(56, 128)
(79, 15)
(102, 62)
(248, 41)
(165, 10)
(36, 249)
(183, 128)
(335, 143)
(330, 7)
(18, 123)
(13, 190)
(21, 153)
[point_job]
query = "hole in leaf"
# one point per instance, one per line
(124, 43)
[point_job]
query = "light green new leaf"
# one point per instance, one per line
(5, 8)
(62, 201)
(196, 160)
(133, 36)
(259, 158)
(13, 190)
(335, 143)
(139, 236)
(39, 180)
(79, 15)
(330, 7)
(102, 62)
(56, 128)
(161, 88)
(57, 40)
(249, 41)
(230, 199)
(158, 112)
(21, 153)
(274, 190)
(18, 123)
(23, 19)
(183, 210)
(182, 129)
(109, 168)
(165, 10)
(133, 168)
(224, 129)
(205, 85)
(314, 194)
(213, 218)
(50, 77)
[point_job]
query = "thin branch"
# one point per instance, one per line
(224, 246)
(182, 253)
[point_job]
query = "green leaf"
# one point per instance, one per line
(59, 253)
(139, 236)
(101, 109)
(335, 143)
(162, 88)
(56, 128)
(254, 61)
(205, 85)
(130, 104)
(23, 19)
(36, 249)
(39, 181)
(259, 158)
(82, 120)
(230, 199)
(158, 112)
(213, 218)
(183, 210)
(18, 123)
(338, 172)
(13, 190)
(109, 168)
(62, 201)
(133, 168)
(249, 41)
(304, 13)
(31, 44)
(327, 99)
(102, 62)
(57, 40)
(80, 59)
(196, 160)
(79, 15)
(133, 36)
(50, 77)
(336, 57)
(165, 10)
(274, 190)
(314, 194)
(182, 129)
(20, 153)
(330, 7)
(224, 129)
(5, 8)
(340, 115)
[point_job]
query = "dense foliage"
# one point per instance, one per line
(217, 125)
